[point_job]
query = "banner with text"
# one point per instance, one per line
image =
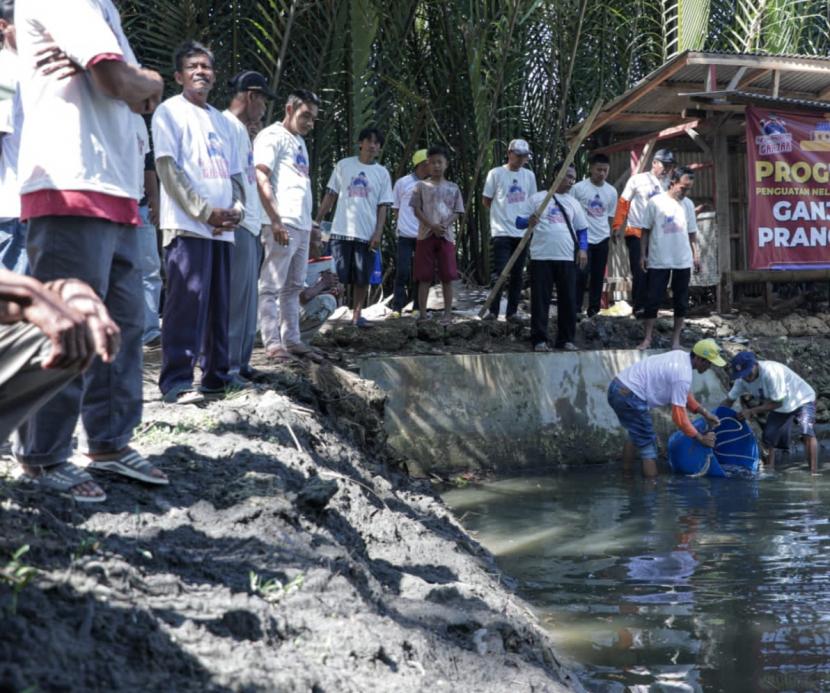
(789, 189)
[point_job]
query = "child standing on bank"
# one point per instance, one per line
(437, 203)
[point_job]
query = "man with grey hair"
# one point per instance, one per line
(506, 190)
(282, 170)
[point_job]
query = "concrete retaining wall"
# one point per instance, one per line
(509, 412)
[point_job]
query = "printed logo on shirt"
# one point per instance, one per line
(515, 193)
(656, 190)
(671, 226)
(301, 163)
(596, 208)
(217, 165)
(251, 168)
(554, 215)
(359, 187)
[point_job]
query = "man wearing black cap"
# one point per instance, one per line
(247, 108)
(629, 217)
(781, 392)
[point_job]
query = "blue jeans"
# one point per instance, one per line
(108, 397)
(13, 246)
(150, 274)
(404, 286)
(634, 418)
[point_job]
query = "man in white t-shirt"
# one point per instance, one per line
(282, 169)
(506, 190)
(362, 189)
(783, 395)
(407, 227)
(247, 108)
(599, 200)
(559, 245)
(659, 381)
(12, 230)
(202, 201)
(631, 206)
(668, 252)
(79, 172)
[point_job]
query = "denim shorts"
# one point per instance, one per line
(634, 417)
(778, 426)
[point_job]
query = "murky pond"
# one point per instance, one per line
(675, 585)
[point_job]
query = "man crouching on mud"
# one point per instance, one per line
(658, 381)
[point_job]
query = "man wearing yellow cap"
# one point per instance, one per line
(407, 226)
(658, 381)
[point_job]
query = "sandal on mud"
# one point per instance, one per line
(279, 354)
(542, 347)
(183, 394)
(63, 478)
(305, 351)
(132, 464)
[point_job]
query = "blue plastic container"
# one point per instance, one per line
(377, 271)
(735, 452)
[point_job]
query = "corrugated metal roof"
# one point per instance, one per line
(801, 79)
(752, 97)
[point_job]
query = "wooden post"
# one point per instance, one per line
(720, 151)
(540, 210)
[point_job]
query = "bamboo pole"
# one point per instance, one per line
(560, 176)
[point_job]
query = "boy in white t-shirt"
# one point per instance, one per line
(599, 200)
(362, 189)
(669, 250)
(658, 381)
(786, 398)
(506, 190)
(407, 227)
(247, 107)
(282, 168)
(202, 202)
(628, 220)
(559, 246)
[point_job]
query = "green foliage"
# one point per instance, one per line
(472, 74)
(17, 575)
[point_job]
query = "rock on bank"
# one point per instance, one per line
(287, 555)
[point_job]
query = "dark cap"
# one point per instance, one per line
(250, 80)
(742, 364)
(665, 156)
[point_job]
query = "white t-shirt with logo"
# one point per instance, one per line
(599, 203)
(11, 124)
(670, 223)
(407, 223)
(778, 383)
(660, 380)
(552, 239)
(639, 189)
(245, 161)
(509, 191)
(74, 137)
(202, 144)
(361, 189)
(286, 156)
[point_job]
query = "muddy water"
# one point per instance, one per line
(678, 585)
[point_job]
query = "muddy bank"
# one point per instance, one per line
(289, 554)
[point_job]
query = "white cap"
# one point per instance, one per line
(520, 147)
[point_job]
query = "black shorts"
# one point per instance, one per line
(353, 260)
(657, 281)
(778, 426)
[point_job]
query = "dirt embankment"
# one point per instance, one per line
(288, 554)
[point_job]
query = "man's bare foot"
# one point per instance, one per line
(645, 344)
(675, 346)
(88, 489)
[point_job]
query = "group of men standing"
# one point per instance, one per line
(570, 244)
